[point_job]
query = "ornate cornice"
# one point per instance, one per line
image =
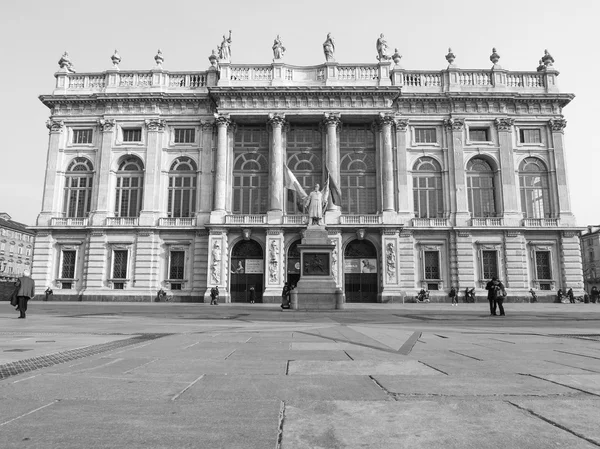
(454, 124)
(55, 126)
(504, 124)
(155, 124)
(558, 125)
(106, 125)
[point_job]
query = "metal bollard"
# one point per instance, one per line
(294, 300)
(339, 299)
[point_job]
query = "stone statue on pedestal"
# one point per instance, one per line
(382, 49)
(313, 204)
(329, 48)
(278, 48)
(225, 49)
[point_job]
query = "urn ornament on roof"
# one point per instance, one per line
(450, 57)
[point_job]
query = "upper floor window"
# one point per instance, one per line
(82, 136)
(530, 135)
(427, 188)
(132, 134)
(78, 188)
(304, 158)
(358, 180)
(185, 135)
(535, 194)
(480, 188)
(479, 134)
(182, 188)
(130, 187)
(250, 170)
(425, 135)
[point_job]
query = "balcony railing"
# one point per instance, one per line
(61, 221)
(245, 219)
(121, 221)
(295, 219)
(177, 222)
(541, 222)
(360, 219)
(430, 222)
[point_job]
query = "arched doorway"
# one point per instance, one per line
(360, 272)
(247, 268)
(293, 263)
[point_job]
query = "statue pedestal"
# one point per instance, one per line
(316, 288)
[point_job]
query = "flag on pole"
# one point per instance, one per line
(336, 193)
(292, 184)
(325, 194)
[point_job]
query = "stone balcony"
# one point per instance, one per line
(70, 222)
(122, 221)
(177, 222)
(541, 222)
(430, 222)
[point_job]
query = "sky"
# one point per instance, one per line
(34, 34)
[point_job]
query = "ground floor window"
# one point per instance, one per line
(490, 264)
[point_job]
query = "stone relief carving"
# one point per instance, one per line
(558, 124)
(273, 262)
(454, 124)
(106, 125)
(390, 260)
(504, 124)
(215, 268)
(55, 126)
(402, 124)
(155, 124)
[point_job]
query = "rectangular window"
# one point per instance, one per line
(490, 264)
(81, 136)
(478, 135)
(530, 136)
(425, 135)
(119, 264)
(175, 286)
(119, 285)
(66, 285)
(2, 246)
(176, 265)
(432, 265)
(185, 135)
(132, 135)
(68, 264)
(542, 265)
(28, 252)
(20, 250)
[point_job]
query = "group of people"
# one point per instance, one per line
(569, 298)
(496, 295)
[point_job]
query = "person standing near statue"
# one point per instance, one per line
(278, 48)
(314, 205)
(329, 48)
(25, 293)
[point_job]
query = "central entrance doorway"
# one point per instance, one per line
(360, 272)
(247, 269)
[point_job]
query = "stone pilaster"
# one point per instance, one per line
(274, 274)
(206, 164)
(508, 181)
(563, 208)
(102, 186)
(458, 195)
(332, 121)
(223, 122)
(465, 260)
(42, 271)
(390, 269)
(404, 189)
(98, 262)
(570, 262)
(153, 190)
(51, 196)
(200, 272)
(407, 262)
(337, 268)
(276, 168)
(387, 163)
(218, 262)
(145, 264)
(515, 262)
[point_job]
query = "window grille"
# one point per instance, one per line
(490, 264)
(542, 265)
(432, 265)
(68, 264)
(176, 270)
(119, 264)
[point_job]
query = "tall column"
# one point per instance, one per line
(50, 199)
(510, 191)
(387, 164)
(276, 168)
(152, 170)
(458, 195)
(332, 121)
(558, 143)
(223, 122)
(404, 190)
(102, 182)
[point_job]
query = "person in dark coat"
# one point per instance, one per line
(252, 295)
(214, 296)
(25, 293)
(571, 296)
(285, 296)
(453, 297)
(496, 294)
(533, 295)
(594, 294)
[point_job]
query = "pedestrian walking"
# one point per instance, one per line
(285, 296)
(25, 293)
(594, 294)
(533, 295)
(571, 296)
(214, 295)
(252, 295)
(496, 295)
(453, 297)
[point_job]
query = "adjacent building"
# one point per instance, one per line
(178, 180)
(16, 247)
(590, 250)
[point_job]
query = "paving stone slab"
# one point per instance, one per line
(229, 366)
(359, 367)
(585, 382)
(285, 354)
(430, 424)
(119, 424)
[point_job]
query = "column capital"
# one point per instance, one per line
(55, 126)
(558, 125)
(454, 124)
(222, 120)
(386, 119)
(504, 124)
(276, 120)
(332, 119)
(402, 124)
(206, 125)
(106, 125)
(155, 124)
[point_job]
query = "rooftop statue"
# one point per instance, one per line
(547, 59)
(225, 49)
(116, 59)
(329, 48)
(159, 59)
(65, 63)
(278, 48)
(382, 49)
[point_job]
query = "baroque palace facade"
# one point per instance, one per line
(177, 180)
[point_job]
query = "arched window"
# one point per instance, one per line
(480, 188)
(130, 187)
(250, 170)
(182, 188)
(304, 158)
(357, 170)
(535, 195)
(78, 188)
(427, 188)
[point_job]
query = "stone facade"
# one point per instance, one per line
(590, 252)
(16, 247)
(174, 181)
